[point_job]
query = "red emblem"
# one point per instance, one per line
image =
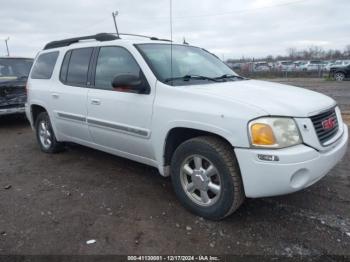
(328, 123)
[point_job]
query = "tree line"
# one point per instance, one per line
(310, 53)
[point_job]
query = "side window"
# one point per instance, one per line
(44, 65)
(64, 67)
(111, 62)
(78, 67)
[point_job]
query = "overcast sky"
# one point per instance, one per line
(229, 28)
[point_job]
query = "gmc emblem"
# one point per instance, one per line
(328, 123)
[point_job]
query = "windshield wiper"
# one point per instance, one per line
(189, 77)
(225, 76)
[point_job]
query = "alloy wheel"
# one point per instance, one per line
(45, 134)
(200, 180)
(339, 76)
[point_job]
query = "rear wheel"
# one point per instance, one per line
(45, 135)
(339, 76)
(206, 177)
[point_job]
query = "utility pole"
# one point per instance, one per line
(114, 15)
(7, 47)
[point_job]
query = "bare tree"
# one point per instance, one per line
(316, 52)
(269, 58)
(347, 51)
(292, 53)
(312, 52)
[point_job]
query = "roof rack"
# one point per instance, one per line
(66, 42)
(145, 36)
(98, 37)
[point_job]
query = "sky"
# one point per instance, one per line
(228, 28)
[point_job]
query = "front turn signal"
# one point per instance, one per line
(262, 135)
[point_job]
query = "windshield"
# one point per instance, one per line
(187, 61)
(14, 68)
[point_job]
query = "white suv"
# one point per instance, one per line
(176, 107)
(313, 65)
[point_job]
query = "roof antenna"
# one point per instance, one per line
(114, 15)
(7, 46)
(184, 42)
(171, 39)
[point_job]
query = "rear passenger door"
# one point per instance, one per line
(119, 119)
(69, 95)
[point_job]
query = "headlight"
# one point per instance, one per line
(274, 132)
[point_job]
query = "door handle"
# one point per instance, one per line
(55, 95)
(96, 102)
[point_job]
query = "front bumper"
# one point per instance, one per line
(13, 110)
(298, 167)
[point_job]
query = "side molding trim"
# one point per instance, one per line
(118, 127)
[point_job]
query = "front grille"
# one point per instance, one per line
(325, 134)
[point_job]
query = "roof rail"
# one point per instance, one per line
(145, 36)
(66, 42)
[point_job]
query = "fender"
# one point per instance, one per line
(160, 137)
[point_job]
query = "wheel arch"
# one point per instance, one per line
(340, 71)
(179, 134)
(35, 110)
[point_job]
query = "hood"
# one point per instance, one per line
(270, 98)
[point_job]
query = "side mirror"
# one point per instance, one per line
(132, 82)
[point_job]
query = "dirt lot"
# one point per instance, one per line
(53, 204)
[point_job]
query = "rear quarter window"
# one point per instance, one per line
(44, 66)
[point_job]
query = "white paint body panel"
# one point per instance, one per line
(136, 126)
(299, 167)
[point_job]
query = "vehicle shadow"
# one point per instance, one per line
(15, 121)
(149, 179)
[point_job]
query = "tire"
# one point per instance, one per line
(46, 136)
(216, 173)
(339, 76)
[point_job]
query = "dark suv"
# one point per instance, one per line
(13, 77)
(340, 73)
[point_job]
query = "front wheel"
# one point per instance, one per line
(45, 134)
(206, 177)
(339, 76)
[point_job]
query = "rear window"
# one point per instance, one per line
(44, 65)
(12, 68)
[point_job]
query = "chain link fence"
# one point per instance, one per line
(283, 74)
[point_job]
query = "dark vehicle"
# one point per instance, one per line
(340, 73)
(13, 77)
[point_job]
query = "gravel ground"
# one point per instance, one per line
(54, 204)
(340, 91)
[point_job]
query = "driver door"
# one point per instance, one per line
(119, 119)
